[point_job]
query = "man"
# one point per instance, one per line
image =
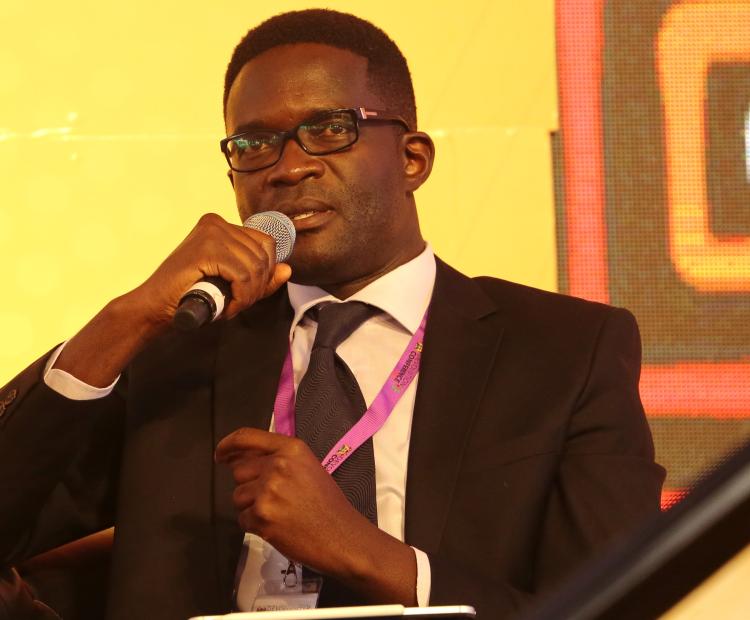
(519, 449)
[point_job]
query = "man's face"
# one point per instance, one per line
(350, 208)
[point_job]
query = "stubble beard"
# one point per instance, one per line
(357, 250)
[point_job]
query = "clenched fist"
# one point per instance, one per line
(284, 495)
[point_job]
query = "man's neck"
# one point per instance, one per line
(347, 289)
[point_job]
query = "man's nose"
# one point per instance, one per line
(294, 165)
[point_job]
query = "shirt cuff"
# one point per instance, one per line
(67, 385)
(424, 578)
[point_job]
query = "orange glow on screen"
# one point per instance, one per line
(695, 388)
(694, 36)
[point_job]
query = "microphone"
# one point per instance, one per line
(205, 301)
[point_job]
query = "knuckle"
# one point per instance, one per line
(280, 465)
(210, 219)
(266, 242)
(247, 276)
(240, 434)
(239, 496)
(269, 245)
(242, 473)
(297, 447)
(239, 437)
(243, 431)
(273, 487)
(257, 278)
(263, 508)
(206, 247)
(255, 265)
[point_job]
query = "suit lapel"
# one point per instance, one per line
(248, 366)
(462, 337)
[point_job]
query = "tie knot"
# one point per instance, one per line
(337, 321)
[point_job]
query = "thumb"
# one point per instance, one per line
(281, 273)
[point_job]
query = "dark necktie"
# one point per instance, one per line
(329, 402)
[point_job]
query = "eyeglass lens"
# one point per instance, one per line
(324, 134)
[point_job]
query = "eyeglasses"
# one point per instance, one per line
(328, 132)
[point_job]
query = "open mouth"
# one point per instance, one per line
(310, 219)
(303, 216)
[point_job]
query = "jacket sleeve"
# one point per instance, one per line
(606, 481)
(58, 459)
(17, 601)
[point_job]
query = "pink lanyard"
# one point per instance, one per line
(372, 420)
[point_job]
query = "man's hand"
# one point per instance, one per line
(242, 256)
(285, 496)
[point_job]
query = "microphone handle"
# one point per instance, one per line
(202, 303)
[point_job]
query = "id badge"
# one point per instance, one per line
(291, 592)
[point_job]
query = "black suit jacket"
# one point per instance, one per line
(529, 450)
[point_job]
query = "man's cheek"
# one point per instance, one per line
(249, 203)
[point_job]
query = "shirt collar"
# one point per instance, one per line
(404, 293)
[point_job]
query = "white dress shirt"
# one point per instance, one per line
(371, 352)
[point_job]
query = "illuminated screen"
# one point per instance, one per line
(655, 200)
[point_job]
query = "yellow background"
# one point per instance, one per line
(110, 116)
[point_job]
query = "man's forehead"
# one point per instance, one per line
(286, 83)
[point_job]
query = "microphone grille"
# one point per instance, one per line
(278, 226)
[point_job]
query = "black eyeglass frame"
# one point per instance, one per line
(361, 115)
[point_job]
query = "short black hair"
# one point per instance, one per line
(387, 71)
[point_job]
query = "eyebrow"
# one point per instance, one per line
(250, 125)
(263, 125)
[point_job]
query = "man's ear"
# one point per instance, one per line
(231, 178)
(419, 154)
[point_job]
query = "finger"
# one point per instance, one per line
(246, 236)
(234, 458)
(281, 273)
(255, 512)
(261, 244)
(245, 495)
(247, 259)
(253, 439)
(249, 522)
(266, 281)
(246, 468)
(246, 268)
(258, 246)
(244, 257)
(266, 241)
